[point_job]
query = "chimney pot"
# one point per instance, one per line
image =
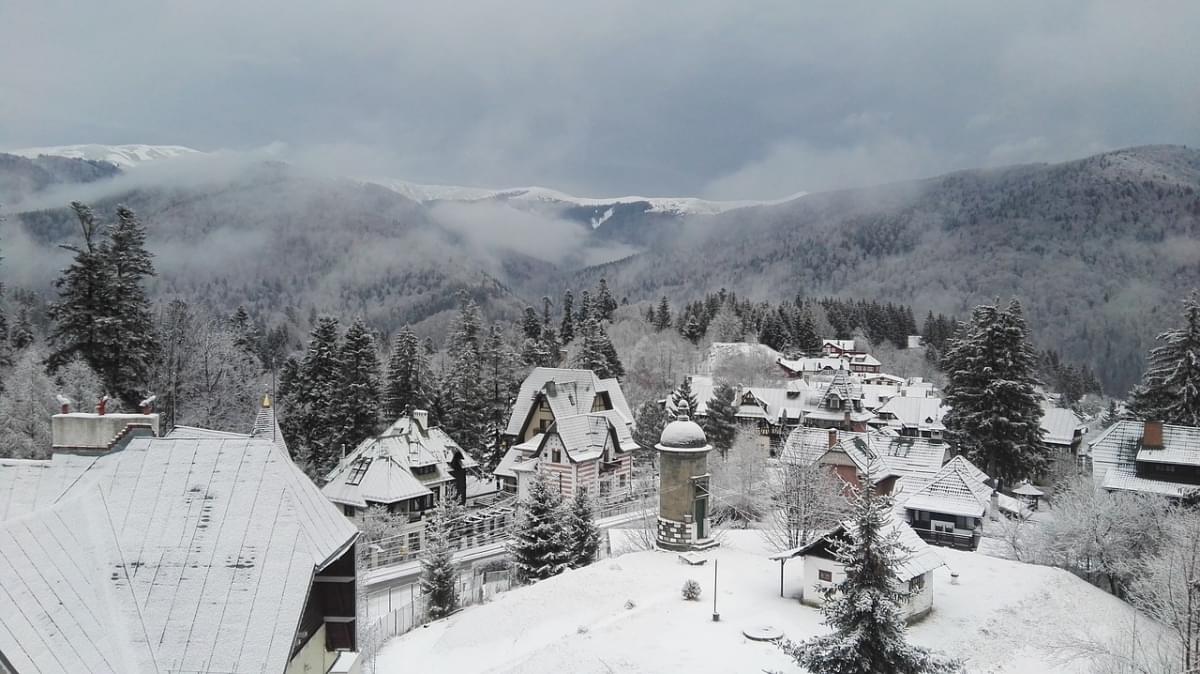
(66, 408)
(102, 406)
(833, 434)
(1152, 435)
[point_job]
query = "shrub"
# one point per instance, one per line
(691, 590)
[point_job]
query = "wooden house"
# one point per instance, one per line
(1147, 457)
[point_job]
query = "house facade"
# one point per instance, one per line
(822, 570)
(952, 507)
(574, 428)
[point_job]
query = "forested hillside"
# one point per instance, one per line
(1098, 250)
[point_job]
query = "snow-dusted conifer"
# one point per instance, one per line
(720, 420)
(582, 533)
(407, 376)
(566, 329)
(83, 324)
(606, 304)
(650, 419)
(995, 408)
(22, 332)
(439, 574)
(865, 609)
(357, 402)
(662, 317)
(1170, 388)
(130, 265)
(683, 393)
(540, 547)
(313, 397)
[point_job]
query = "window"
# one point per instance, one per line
(348, 510)
(542, 424)
(917, 584)
(825, 576)
(414, 541)
(358, 469)
(555, 455)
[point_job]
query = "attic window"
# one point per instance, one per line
(358, 469)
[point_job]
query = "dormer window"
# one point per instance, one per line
(556, 455)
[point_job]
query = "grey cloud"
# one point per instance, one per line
(729, 99)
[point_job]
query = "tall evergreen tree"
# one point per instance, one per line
(540, 547)
(566, 329)
(439, 572)
(662, 318)
(864, 609)
(500, 385)
(313, 395)
(1170, 388)
(606, 304)
(130, 267)
(995, 408)
(596, 351)
(22, 333)
(465, 416)
(83, 321)
(692, 331)
(583, 535)
(531, 325)
(720, 420)
(650, 418)
(357, 402)
(683, 393)
(407, 376)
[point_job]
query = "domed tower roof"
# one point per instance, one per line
(683, 434)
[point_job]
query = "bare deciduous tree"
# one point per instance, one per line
(805, 501)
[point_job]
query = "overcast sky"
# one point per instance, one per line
(725, 100)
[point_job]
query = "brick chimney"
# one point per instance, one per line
(422, 417)
(93, 434)
(833, 436)
(1152, 435)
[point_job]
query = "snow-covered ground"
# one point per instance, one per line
(1002, 616)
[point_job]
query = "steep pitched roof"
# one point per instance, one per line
(380, 469)
(924, 413)
(919, 557)
(574, 392)
(915, 460)
(959, 488)
(1059, 424)
(1116, 451)
(173, 554)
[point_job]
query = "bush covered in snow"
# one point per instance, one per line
(691, 590)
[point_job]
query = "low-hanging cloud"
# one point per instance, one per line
(604, 97)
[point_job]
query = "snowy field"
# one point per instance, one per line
(1002, 616)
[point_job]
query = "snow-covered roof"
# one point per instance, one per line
(584, 436)
(173, 554)
(915, 460)
(1059, 425)
(918, 557)
(683, 434)
(805, 445)
(921, 413)
(1116, 451)
(380, 469)
(568, 392)
(959, 488)
(839, 344)
(807, 364)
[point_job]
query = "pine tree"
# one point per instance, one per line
(995, 409)
(357, 401)
(1170, 388)
(566, 329)
(586, 310)
(246, 334)
(83, 321)
(130, 266)
(312, 396)
(1111, 414)
(692, 331)
(22, 333)
(540, 547)
(531, 325)
(606, 304)
(683, 393)
(720, 420)
(499, 384)
(465, 400)
(407, 376)
(582, 533)
(596, 351)
(650, 419)
(439, 573)
(865, 609)
(662, 319)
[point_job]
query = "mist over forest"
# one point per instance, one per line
(1098, 250)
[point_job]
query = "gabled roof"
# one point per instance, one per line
(380, 469)
(844, 387)
(1116, 452)
(1059, 425)
(915, 460)
(584, 435)
(920, 559)
(959, 488)
(574, 392)
(925, 413)
(805, 445)
(173, 554)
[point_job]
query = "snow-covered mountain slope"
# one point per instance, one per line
(674, 205)
(124, 156)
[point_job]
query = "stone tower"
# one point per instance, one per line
(683, 492)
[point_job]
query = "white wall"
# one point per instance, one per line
(917, 605)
